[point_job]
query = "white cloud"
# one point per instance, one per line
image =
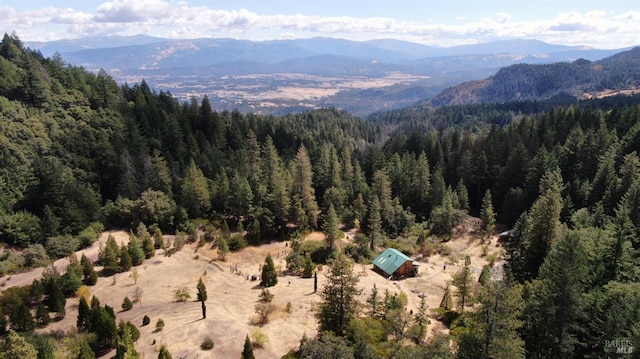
(179, 20)
(132, 10)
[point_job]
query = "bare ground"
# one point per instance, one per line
(232, 297)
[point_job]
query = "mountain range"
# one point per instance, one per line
(283, 76)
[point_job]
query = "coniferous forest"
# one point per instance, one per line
(80, 153)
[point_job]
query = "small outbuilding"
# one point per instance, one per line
(393, 263)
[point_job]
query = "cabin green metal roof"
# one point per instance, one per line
(390, 260)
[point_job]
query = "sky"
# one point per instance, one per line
(606, 24)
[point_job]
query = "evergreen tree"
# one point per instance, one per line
(492, 329)
(42, 315)
(303, 191)
(374, 221)
(223, 249)
(84, 350)
(464, 286)
(83, 314)
(422, 318)
(135, 251)
(148, 247)
(196, 197)
(247, 351)
(375, 303)
(331, 228)
(619, 253)
(164, 353)
(308, 267)
(339, 296)
(124, 346)
(554, 303)
(110, 260)
(20, 317)
(487, 214)
(44, 346)
(447, 301)
(544, 222)
(269, 274)
(89, 273)
(202, 291)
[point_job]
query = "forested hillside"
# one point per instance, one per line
(579, 79)
(76, 149)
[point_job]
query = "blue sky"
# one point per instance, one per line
(602, 24)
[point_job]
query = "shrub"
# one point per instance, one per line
(264, 310)
(181, 295)
(266, 296)
(146, 320)
(259, 338)
(127, 304)
(237, 242)
(62, 246)
(159, 324)
(207, 344)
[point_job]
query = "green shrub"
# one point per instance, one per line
(127, 304)
(62, 246)
(159, 324)
(237, 242)
(266, 296)
(207, 344)
(259, 338)
(146, 320)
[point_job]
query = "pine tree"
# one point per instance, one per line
(124, 346)
(89, 273)
(83, 314)
(135, 250)
(492, 330)
(308, 267)
(487, 214)
(269, 274)
(247, 351)
(447, 302)
(126, 262)
(148, 247)
(20, 317)
(331, 228)
(196, 197)
(554, 303)
(110, 260)
(374, 221)
(223, 249)
(464, 284)
(202, 292)
(339, 296)
(422, 318)
(375, 303)
(303, 191)
(544, 222)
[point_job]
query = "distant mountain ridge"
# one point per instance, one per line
(260, 76)
(579, 79)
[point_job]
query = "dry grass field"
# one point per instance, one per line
(232, 297)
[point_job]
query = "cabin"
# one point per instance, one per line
(394, 264)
